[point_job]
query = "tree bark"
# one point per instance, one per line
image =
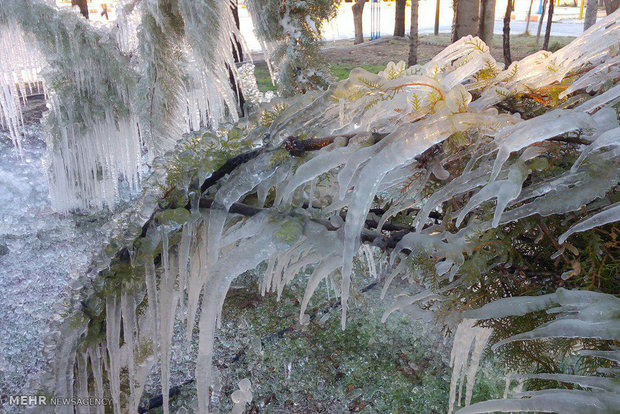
(465, 18)
(83, 6)
(591, 10)
(549, 21)
(399, 19)
(237, 51)
(413, 34)
(540, 22)
(611, 6)
(358, 11)
(487, 21)
(529, 16)
(506, 38)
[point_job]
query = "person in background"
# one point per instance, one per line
(104, 12)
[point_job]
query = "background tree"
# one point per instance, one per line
(591, 10)
(83, 5)
(611, 6)
(465, 18)
(506, 36)
(399, 19)
(540, 22)
(487, 21)
(413, 34)
(527, 20)
(437, 8)
(358, 11)
(548, 29)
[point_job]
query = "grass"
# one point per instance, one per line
(340, 71)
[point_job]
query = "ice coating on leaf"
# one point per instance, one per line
(608, 98)
(551, 401)
(607, 139)
(318, 165)
(585, 315)
(595, 78)
(244, 181)
(600, 383)
(569, 191)
(405, 145)
(549, 125)
(609, 215)
(504, 190)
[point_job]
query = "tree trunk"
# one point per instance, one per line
(465, 18)
(358, 10)
(506, 39)
(548, 30)
(487, 21)
(83, 5)
(540, 22)
(591, 10)
(399, 20)
(237, 51)
(611, 6)
(413, 34)
(437, 8)
(529, 16)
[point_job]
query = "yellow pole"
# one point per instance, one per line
(581, 9)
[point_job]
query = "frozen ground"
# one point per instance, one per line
(40, 254)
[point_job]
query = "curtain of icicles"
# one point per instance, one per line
(20, 76)
(185, 260)
(119, 95)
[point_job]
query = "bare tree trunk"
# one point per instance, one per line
(591, 11)
(358, 11)
(506, 39)
(465, 18)
(540, 22)
(437, 7)
(529, 16)
(487, 21)
(611, 6)
(549, 21)
(237, 52)
(83, 5)
(399, 19)
(413, 34)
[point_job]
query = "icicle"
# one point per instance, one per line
(20, 65)
(370, 260)
(113, 333)
(468, 339)
(94, 355)
(167, 303)
(128, 311)
(321, 272)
